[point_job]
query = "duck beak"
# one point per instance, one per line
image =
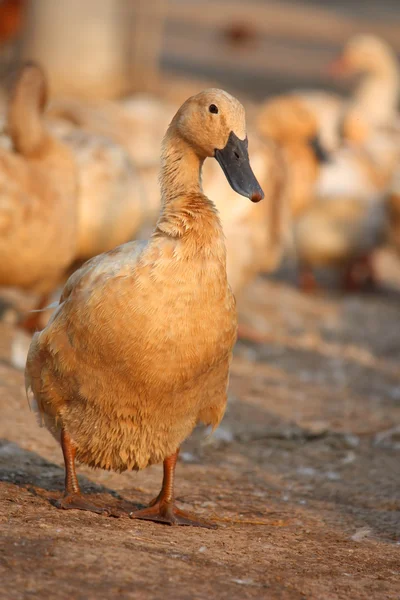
(321, 154)
(234, 161)
(338, 67)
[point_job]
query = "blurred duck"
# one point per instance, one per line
(94, 371)
(38, 179)
(377, 94)
(350, 217)
(374, 101)
(340, 233)
(347, 220)
(287, 121)
(345, 217)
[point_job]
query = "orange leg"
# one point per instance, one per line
(307, 281)
(162, 509)
(72, 496)
(359, 274)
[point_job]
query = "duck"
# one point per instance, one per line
(374, 100)
(38, 212)
(288, 122)
(341, 233)
(350, 215)
(93, 373)
(346, 221)
(377, 94)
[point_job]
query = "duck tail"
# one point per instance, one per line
(26, 107)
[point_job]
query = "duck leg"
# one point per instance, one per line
(360, 274)
(162, 509)
(307, 282)
(72, 496)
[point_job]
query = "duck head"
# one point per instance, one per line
(363, 54)
(287, 120)
(213, 123)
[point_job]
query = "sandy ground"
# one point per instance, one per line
(302, 478)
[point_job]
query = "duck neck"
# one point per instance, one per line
(186, 213)
(378, 93)
(25, 117)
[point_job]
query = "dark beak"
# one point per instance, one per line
(234, 161)
(320, 153)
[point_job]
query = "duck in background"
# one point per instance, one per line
(94, 371)
(350, 218)
(347, 218)
(377, 94)
(38, 186)
(343, 216)
(294, 129)
(374, 100)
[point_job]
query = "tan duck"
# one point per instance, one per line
(139, 348)
(374, 100)
(38, 180)
(288, 122)
(340, 233)
(377, 94)
(346, 222)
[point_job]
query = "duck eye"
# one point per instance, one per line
(213, 109)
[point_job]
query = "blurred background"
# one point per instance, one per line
(108, 48)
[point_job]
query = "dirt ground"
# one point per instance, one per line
(302, 478)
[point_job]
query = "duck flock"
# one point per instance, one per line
(82, 181)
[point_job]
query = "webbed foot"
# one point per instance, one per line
(79, 502)
(162, 512)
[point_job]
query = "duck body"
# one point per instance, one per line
(167, 374)
(38, 179)
(34, 209)
(337, 231)
(111, 198)
(139, 348)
